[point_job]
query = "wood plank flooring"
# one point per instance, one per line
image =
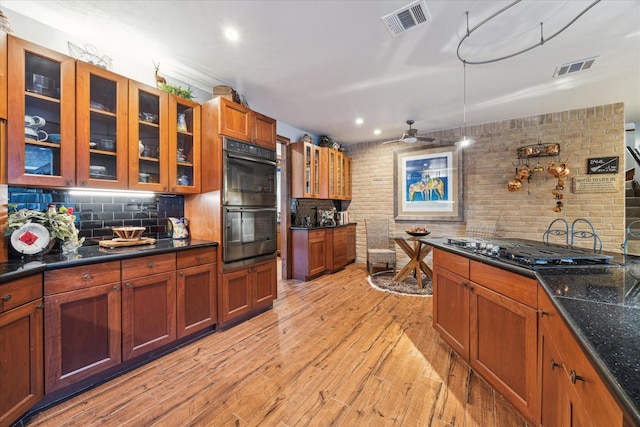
(332, 352)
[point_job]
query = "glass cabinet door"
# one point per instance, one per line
(307, 169)
(184, 146)
(332, 168)
(148, 147)
(101, 128)
(41, 120)
(316, 171)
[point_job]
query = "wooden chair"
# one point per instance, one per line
(379, 249)
(480, 228)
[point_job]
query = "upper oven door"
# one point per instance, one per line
(248, 181)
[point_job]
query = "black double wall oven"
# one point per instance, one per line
(249, 201)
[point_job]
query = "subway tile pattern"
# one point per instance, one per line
(96, 214)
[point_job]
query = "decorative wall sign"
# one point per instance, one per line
(594, 184)
(602, 165)
(428, 184)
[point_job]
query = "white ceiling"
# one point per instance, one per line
(318, 65)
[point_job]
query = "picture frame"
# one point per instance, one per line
(428, 183)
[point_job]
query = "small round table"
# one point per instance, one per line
(416, 252)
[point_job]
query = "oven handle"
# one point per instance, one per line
(251, 159)
(240, 209)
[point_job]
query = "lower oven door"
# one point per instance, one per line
(248, 232)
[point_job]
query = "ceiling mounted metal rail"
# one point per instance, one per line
(542, 39)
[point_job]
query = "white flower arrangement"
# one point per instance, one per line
(60, 223)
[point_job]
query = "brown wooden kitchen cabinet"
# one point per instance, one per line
(247, 289)
(21, 352)
(102, 143)
(336, 242)
(238, 122)
(351, 243)
(488, 316)
(184, 146)
(309, 253)
(309, 171)
(42, 87)
(3, 76)
(148, 304)
(339, 175)
(148, 126)
(197, 290)
(571, 391)
(82, 322)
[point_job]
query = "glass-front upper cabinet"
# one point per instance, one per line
(101, 128)
(184, 145)
(148, 138)
(42, 95)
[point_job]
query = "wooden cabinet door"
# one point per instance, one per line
(235, 294)
(551, 381)
(197, 294)
(83, 334)
(184, 146)
(317, 254)
(348, 178)
(263, 130)
(332, 166)
(234, 120)
(339, 247)
(42, 86)
(503, 337)
(451, 309)
(265, 284)
(351, 243)
(148, 125)
(148, 313)
(101, 116)
(21, 360)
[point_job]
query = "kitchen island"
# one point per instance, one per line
(598, 305)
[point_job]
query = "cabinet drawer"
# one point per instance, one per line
(194, 257)
(146, 266)
(84, 276)
(455, 263)
(512, 285)
(20, 291)
(316, 235)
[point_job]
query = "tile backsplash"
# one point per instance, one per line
(97, 213)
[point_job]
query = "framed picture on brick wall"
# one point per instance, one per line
(428, 184)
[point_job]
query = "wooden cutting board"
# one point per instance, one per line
(118, 242)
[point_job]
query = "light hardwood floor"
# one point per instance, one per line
(332, 352)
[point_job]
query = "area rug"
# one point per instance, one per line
(383, 282)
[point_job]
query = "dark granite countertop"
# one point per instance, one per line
(16, 268)
(601, 304)
(294, 227)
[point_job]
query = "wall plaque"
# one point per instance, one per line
(602, 165)
(595, 184)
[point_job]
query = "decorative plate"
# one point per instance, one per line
(30, 239)
(418, 233)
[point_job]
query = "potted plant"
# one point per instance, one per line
(59, 223)
(177, 90)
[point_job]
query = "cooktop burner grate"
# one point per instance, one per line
(531, 254)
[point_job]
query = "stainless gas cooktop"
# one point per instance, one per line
(530, 254)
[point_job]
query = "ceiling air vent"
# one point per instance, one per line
(413, 14)
(574, 67)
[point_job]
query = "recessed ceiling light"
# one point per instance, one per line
(377, 132)
(359, 121)
(232, 34)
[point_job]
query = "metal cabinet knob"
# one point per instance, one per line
(554, 364)
(6, 298)
(116, 288)
(543, 313)
(574, 377)
(86, 276)
(129, 285)
(151, 265)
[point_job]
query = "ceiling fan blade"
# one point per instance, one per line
(426, 139)
(392, 141)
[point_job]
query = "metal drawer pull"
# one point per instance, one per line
(116, 288)
(129, 285)
(199, 258)
(543, 313)
(6, 298)
(554, 364)
(86, 276)
(152, 265)
(575, 377)
(182, 274)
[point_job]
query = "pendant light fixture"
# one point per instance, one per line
(464, 141)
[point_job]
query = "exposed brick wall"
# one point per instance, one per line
(490, 163)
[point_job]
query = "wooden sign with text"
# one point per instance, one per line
(595, 184)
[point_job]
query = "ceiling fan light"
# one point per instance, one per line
(410, 139)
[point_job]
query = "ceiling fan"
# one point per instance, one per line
(410, 136)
